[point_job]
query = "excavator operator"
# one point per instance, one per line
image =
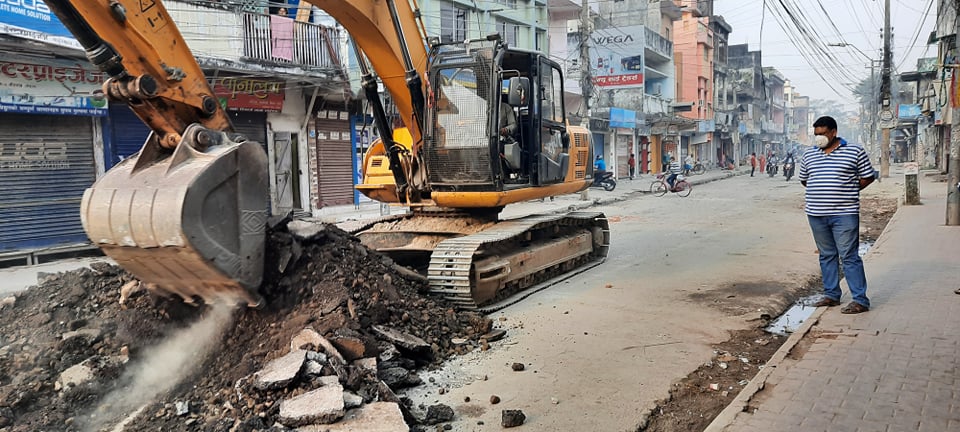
(508, 121)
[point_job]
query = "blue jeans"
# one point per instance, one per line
(838, 238)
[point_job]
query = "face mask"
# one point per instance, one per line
(822, 141)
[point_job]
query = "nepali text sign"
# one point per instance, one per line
(32, 19)
(58, 87)
(244, 94)
(616, 58)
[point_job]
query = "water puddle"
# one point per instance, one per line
(791, 320)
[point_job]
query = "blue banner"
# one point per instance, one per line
(909, 111)
(32, 15)
(623, 118)
(32, 19)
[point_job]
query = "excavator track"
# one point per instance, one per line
(482, 271)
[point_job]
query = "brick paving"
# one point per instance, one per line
(892, 369)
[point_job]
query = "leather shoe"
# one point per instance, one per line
(826, 301)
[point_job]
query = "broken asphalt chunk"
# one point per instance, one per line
(280, 372)
(324, 405)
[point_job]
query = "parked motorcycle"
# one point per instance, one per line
(604, 180)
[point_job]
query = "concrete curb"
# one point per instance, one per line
(739, 403)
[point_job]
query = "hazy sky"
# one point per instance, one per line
(859, 23)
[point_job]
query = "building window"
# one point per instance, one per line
(453, 24)
(509, 32)
(512, 4)
(541, 40)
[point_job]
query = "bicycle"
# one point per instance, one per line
(698, 169)
(681, 186)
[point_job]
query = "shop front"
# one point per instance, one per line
(50, 147)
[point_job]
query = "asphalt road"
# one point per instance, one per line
(602, 347)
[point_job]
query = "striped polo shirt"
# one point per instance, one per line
(833, 180)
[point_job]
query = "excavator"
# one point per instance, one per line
(187, 214)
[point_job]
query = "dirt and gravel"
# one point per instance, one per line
(72, 358)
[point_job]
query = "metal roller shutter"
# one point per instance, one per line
(127, 133)
(335, 161)
(46, 162)
(251, 124)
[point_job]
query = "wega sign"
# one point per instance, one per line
(245, 94)
(616, 58)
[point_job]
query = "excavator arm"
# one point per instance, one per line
(150, 67)
(186, 215)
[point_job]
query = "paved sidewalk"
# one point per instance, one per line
(894, 368)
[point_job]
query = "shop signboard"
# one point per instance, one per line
(32, 19)
(616, 57)
(56, 87)
(247, 94)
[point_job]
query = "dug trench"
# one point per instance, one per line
(695, 400)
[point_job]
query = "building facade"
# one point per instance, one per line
(694, 57)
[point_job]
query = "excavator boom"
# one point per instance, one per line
(186, 215)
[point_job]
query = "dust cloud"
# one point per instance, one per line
(161, 368)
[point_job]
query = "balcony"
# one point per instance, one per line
(308, 45)
(244, 38)
(704, 35)
(653, 104)
(657, 45)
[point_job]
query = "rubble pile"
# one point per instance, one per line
(341, 329)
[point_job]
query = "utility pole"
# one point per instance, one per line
(953, 161)
(586, 78)
(886, 113)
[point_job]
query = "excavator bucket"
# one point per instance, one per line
(188, 222)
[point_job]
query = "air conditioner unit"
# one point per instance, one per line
(573, 26)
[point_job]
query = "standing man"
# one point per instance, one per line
(632, 164)
(834, 173)
(753, 163)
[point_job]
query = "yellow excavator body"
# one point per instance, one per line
(187, 213)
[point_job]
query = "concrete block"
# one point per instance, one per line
(374, 417)
(321, 406)
(280, 372)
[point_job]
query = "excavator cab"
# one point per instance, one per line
(463, 144)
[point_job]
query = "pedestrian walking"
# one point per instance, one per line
(632, 164)
(834, 173)
(763, 163)
(753, 163)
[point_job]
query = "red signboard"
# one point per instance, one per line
(618, 80)
(245, 94)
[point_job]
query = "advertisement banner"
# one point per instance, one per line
(616, 57)
(909, 111)
(32, 19)
(58, 87)
(245, 94)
